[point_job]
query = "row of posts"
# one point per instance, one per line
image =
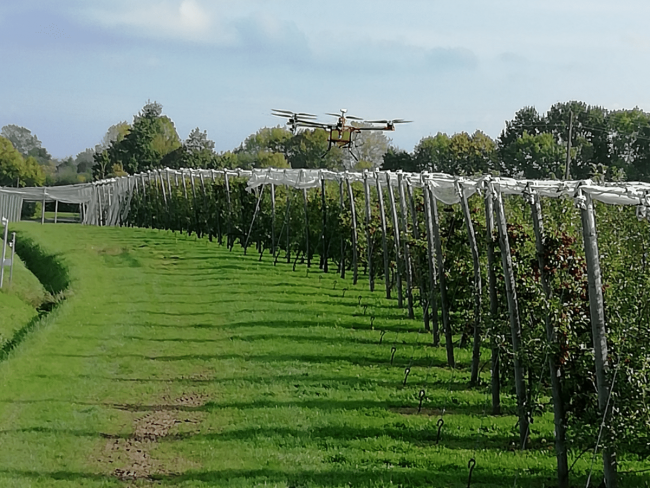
(435, 262)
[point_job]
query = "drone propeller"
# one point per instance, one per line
(342, 114)
(389, 122)
(287, 113)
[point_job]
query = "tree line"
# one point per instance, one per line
(587, 141)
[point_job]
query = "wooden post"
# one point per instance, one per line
(324, 266)
(56, 211)
(229, 240)
(424, 301)
(5, 234)
(492, 284)
(353, 211)
(366, 194)
(393, 212)
(473, 245)
(273, 219)
(99, 200)
(43, 208)
(430, 260)
(288, 221)
(384, 243)
(515, 321)
(444, 301)
(599, 332)
(341, 207)
(407, 252)
(304, 199)
(555, 370)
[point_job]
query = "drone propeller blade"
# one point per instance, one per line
(288, 113)
(401, 121)
(352, 117)
(378, 121)
(333, 115)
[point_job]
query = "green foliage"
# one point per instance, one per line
(17, 171)
(151, 137)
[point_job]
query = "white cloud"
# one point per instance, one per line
(187, 20)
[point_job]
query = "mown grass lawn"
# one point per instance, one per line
(174, 362)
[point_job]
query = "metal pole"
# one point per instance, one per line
(366, 193)
(492, 284)
(407, 252)
(13, 256)
(393, 211)
(353, 211)
(515, 321)
(473, 245)
(384, 243)
(597, 313)
(430, 261)
(5, 222)
(556, 385)
(323, 258)
(56, 210)
(43, 208)
(444, 301)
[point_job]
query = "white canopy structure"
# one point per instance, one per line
(106, 202)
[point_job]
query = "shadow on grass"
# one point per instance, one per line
(406, 473)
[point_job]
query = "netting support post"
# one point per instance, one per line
(424, 302)
(405, 241)
(398, 266)
(384, 243)
(323, 258)
(366, 194)
(355, 247)
(442, 281)
(478, 286)
(555, 371)
(515, 320)
(597, 312)
(433, 306)
(494, 303)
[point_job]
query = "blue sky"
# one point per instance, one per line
(72, 68)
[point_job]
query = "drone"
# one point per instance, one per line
(341, 134)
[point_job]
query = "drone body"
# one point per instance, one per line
(341, 134)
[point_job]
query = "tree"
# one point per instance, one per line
(15, 170)
(395, 159)
(151, 137)
(369, 146)
(432, 153)
(115, 133)
(535, 156)
(309, 149)
(21, 138)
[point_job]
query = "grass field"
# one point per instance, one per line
(174, 362)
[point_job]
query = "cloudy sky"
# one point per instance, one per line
(72, 68)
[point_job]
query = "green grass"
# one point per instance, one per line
(183, 364)
(21, 296)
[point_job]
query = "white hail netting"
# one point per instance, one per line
(106, 202)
